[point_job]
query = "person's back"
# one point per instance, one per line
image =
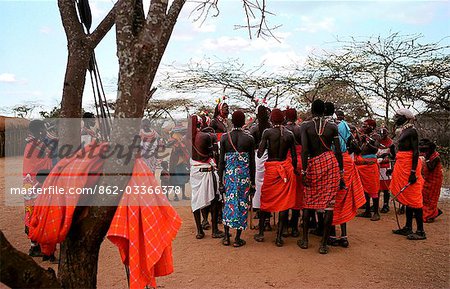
(318, 136)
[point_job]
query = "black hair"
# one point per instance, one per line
(318, 107)
(329, 108)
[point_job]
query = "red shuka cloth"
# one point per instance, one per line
(431, 188)
(412, 195)
(370, 176)
(384, 185)
(350, 200)
(35, 158)
(322, 178)
(279, 189)
(142, 231)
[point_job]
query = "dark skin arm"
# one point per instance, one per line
(251, 153)
(262, 144)
(409, 141)
(222, 159)
(431, 165)
(305, 148)
(337, 145)
(294, 157)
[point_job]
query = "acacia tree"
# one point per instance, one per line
(340, 94)
(386, 73)
(141, 39)
(244, 85)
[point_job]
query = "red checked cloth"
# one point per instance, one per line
(431, 188)
(322, 177)
(350, 200)
(278, 192)
(143, 231)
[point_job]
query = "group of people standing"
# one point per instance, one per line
(320, 170)
(323, 167)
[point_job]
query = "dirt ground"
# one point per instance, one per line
(375, 259)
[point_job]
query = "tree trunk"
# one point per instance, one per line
(71, 104)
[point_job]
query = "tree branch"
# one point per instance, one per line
(103, 28)
(18, 270)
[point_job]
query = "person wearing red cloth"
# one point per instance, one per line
(368, 168)
(349, 200)
(386, 153)
(278, 192)
(407, 182)
(36, 157)
(322, 172)
(433, 176)
(291, 118)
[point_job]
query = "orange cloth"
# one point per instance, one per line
(143, 226)
(412, 195)
(370, 176)
(431, 189)
(144, 233)
(350, 200)
(279, 189)
(53, 213)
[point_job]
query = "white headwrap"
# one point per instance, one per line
(405, 112)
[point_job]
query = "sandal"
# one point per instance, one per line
(343, 242)
(200, 236)
(239, 243)
(405, 231)
(218, 234)
(375, 217)
(302, 244)
(279, 242)
(418, 235)
(258, 238)
(323, 249)
(365, 215)
(226, 242)
(333, 241)
(206, 225)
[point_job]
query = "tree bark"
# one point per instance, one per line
(139, 59)
(18, 270)
(79, 252)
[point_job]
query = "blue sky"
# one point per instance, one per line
(33, 45)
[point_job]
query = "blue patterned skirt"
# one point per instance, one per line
(237, 187)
